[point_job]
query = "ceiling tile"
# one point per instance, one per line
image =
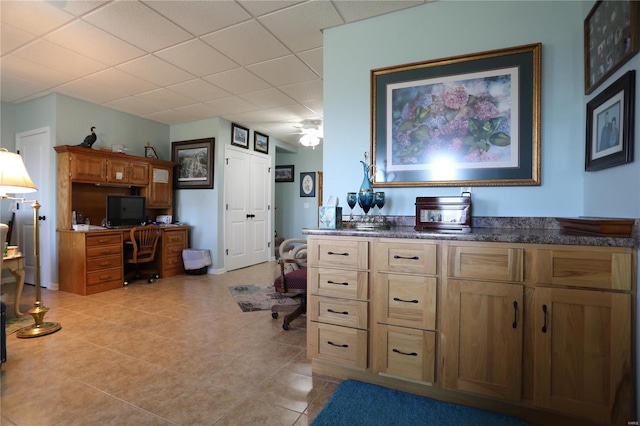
(200, 111)
(281, 71)
(276, 114)
(90, 91)
(201, 17)
(155, 70)
(59, 58)
(261, 7)
(166, 98)
(27, 70)
(79, 7)
(355, 10)
(197, 57)
(247, 43)
(200, 90)
(135, 106)
(315, 106)
(14, 88)
(138, 24)
(267, 98)
(12, 38)
(117, 79)
(170, 117)
(300, 27)
(35, 17)
(231, 105)
(313, 59)
(238, 81)
(302, 92)
(84, 38)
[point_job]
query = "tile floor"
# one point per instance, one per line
(176, 352)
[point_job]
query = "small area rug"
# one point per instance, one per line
(15, 324)
(259, 297)
(358, 403)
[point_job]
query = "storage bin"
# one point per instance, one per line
(196, 261)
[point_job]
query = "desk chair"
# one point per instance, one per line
(141, 249)
(292, 280)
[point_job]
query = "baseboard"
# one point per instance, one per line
(216, 271)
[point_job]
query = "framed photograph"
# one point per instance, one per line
(308, 184)
(260, 142)
(285, 173)
(239, 136)
(470, 120)
(610, 117)
(610, 39)
(194, 159)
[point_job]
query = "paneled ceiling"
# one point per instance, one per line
(256, 63)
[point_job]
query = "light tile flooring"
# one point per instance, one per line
(176, 352)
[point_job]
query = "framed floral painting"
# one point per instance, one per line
(470, 120)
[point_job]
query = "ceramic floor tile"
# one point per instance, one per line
(252, 412)
(290, 390)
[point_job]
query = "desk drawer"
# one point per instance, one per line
(409, 258)
(173, 250)
(348, 313)
(172, 237)
(104, 276)
(350, 254)
(104, 239)
(104, 251)
(343, 345)
(105, 262)
(338, 283)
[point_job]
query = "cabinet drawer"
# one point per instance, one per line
(172, 262)
(338, 283)
(98, 251)
(105, 262)
(171, 237)
(417, 258)
(486, 262)
(343, 345)
(174, 250)
(105, 275)
(339, 253)
(104, 239)
(601, 269)
(406, 300)
(405, 352)
(348, 313)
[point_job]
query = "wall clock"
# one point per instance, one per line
(308, 184)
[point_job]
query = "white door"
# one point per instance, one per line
(248, 207)
(35, 148)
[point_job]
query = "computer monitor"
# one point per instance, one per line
(126, 210)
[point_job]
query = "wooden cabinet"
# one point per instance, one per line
(173, 241)
(97, 168)
(86, 167)
(338, 286)
(159, 193)
(127, 172)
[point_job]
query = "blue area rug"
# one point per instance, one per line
(358, 403)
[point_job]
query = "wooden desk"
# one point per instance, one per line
(92, 261)
(15, 265)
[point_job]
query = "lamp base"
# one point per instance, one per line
(40, 328)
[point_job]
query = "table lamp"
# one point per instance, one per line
(15, 179)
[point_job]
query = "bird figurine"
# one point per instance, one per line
(90, 139)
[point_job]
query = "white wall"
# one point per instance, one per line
(449, 28)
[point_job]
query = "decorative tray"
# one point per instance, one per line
(600, 226)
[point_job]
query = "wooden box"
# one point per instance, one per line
(443, 213)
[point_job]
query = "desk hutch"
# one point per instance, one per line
(92, 261)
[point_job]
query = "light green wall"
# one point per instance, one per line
(449, 28)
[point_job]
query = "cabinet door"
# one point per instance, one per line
(483, 338)
(138, 173)
(88, 168)
(159, 194)
(118, 171)
(583, 364)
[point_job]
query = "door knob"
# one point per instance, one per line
(42, 218)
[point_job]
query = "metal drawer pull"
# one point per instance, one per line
(515, 314)
(333, 282)
(395, 299)
(336, 312)
(544, 326)
(405, 353)
(408, 258)
(339, 346)
(337, 254)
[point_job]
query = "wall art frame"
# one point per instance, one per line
(308, 184)
(285, 173)
(239, 136)
(610, 39)
(610, 125)
(260, 142)
(470, 120)
(194, 163)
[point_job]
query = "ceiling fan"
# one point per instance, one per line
(311, 131)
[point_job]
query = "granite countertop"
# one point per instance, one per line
(504, 230)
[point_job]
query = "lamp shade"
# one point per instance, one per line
(14, 178)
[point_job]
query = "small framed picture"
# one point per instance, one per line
(308, 184)
(260, 142)
(610, 125)
(285, 173)
(195, 163)
(239, 136)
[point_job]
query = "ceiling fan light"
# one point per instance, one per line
(309, 139)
